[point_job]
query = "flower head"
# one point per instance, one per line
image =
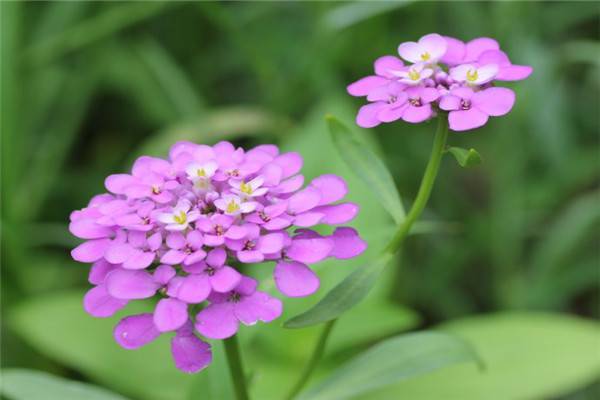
(446, 74)
(177, 230)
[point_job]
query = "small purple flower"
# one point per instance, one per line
(469, 109)
(177, 231)
(244, 304)
(441, 65)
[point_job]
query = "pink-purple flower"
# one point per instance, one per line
(445, 74)
(178, 230)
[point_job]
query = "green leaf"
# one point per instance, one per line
(465, 158)
(24, 384)
(367, 166)
(527, 355)
(56, 326)
(390, 361)
(343, 296)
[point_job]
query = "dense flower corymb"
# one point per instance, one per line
(179, 229)
(444, 74)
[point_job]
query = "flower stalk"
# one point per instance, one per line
(431, 171)
(236, 369)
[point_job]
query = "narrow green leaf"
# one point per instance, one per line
(465, 158)
(352, 13)
(367, 166)
(24, 384)
(527, 355)
(393, 360)
(342, 297)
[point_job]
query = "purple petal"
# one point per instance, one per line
(139, 260)
(130, 284)
(173, 257)
(304, 200)
(455, 51)
(135, 331)
(118, 253)
(295, 279)
(258, 307)
(217, 321)
(90, 251)
(190, 353)
(118, 183)
(216, 257)
(225, 279)
(308, 219)
(290, 163)
(175, 240)
(338, 213)
(195, 257)
(417, 114)
(170, 314)
(270, 243)
(347, 243)
(494, 101)
(363, 86)
(464, 120)
(367, 115)
(194, 289)
(88, 229)
(250, 256)
(514, 73)
(309, 251)
(332, 188)
(477, 46)
(99, 270)
(384, 65)
(99, 303)
(247, 285)
(163, 274)
(289, 185)
(450, 102)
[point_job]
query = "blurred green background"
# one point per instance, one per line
(508, 257)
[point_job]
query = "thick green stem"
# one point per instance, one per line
(316, 356)
(439, 143)
(431, 171)
(234, 360)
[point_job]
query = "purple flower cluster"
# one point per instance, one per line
(180, 229)
(445, 74)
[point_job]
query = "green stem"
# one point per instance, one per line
(439, 142)
(314, 359)
(234, 360)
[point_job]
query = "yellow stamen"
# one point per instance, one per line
(425, 56)
(155, 189)
(201, 172)
(245, 188)
(232, 207)
(413, 75)
(181, 218)
(472, 75)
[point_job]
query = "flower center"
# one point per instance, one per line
(249, 245)
(465, 104)
(155, 189)
(234, 297)
(201, 172)
(472, 75)
(245, 188)
(180, 218)
(415, 102)
(233, 172)
(210, 271)
(219, 230)
(413, 75)
(232, 207)
(264, 216)
(425, 56)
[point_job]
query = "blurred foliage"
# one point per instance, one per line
(87, 86)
